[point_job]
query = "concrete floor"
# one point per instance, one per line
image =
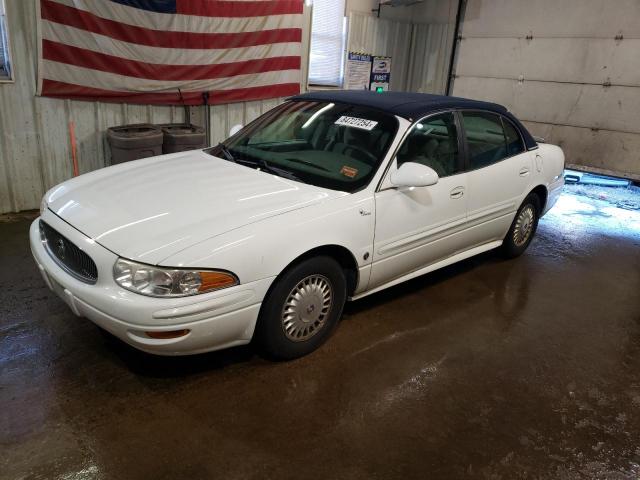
(527, 368)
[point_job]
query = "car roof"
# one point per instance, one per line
(408, 105)
(411, 106)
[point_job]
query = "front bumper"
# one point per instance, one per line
(215, 320)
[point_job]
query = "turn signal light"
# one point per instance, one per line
(215, 280)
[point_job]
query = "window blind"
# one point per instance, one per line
(327, 43)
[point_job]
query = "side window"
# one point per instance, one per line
(434, 143)
(514, 141)
(485, 138)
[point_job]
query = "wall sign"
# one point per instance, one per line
(380, 74)
(357, 75)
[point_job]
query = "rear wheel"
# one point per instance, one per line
(523, 227)
(302, 308)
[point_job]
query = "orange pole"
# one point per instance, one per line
(74, 157)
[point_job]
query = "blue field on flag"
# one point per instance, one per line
(158, 6)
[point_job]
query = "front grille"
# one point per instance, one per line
(68, 256)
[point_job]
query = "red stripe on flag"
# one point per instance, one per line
(221, 8)
(87, 21)
(80, 57)
(52, 88)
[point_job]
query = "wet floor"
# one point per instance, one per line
(493, 369)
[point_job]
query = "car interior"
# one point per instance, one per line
(317, 145)
(434, 144)
(324, 147)
(487, 141)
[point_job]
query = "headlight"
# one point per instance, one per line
(43, 205)
(166, 282)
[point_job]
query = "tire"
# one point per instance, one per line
(302, 309)
(523, 227)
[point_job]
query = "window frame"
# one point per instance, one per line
(393, 158)
(9, 57)
(523, 145)
(502, 118)
(462, 160)
(462, 143)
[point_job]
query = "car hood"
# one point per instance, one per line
(150, 209)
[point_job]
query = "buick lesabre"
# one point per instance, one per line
(328, 197)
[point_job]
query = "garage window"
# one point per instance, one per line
(328, 33)
(5, 61)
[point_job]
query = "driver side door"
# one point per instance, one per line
(418, 226)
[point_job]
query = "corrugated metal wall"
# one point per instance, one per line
(384, 37)
(34, 137)
(561, 69)
(431, 52)
(223, 117)
(34, 142)
(419, 52)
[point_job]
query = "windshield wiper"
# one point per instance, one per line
(262, 164)
(257, 163)
(304, 162)
(227, 153)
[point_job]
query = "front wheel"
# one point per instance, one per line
(523, 227)
(302, 308)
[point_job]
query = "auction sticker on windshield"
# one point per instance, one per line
(349, 171)
(355, 122)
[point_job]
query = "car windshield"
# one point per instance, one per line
(335, 146)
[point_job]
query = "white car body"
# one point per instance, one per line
(193, 210)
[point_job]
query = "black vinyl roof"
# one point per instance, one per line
(411, 106)
(404, 104)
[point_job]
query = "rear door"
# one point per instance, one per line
(499, 174)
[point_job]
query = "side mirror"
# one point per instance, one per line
(411, 174)
(235, 129)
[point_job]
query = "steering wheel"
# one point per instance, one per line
(369, 156)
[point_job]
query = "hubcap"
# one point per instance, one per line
(524, 225)
(306, 309)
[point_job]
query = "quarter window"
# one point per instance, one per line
(434, 143)
(514, 142)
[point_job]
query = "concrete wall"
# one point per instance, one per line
(559, 67)
(34, 135)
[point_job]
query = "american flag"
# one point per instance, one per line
(170, 51)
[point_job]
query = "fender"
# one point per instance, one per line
(264, 249)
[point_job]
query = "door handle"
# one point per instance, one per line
(457, 192)
(524, 171)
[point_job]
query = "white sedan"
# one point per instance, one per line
(328, 197)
